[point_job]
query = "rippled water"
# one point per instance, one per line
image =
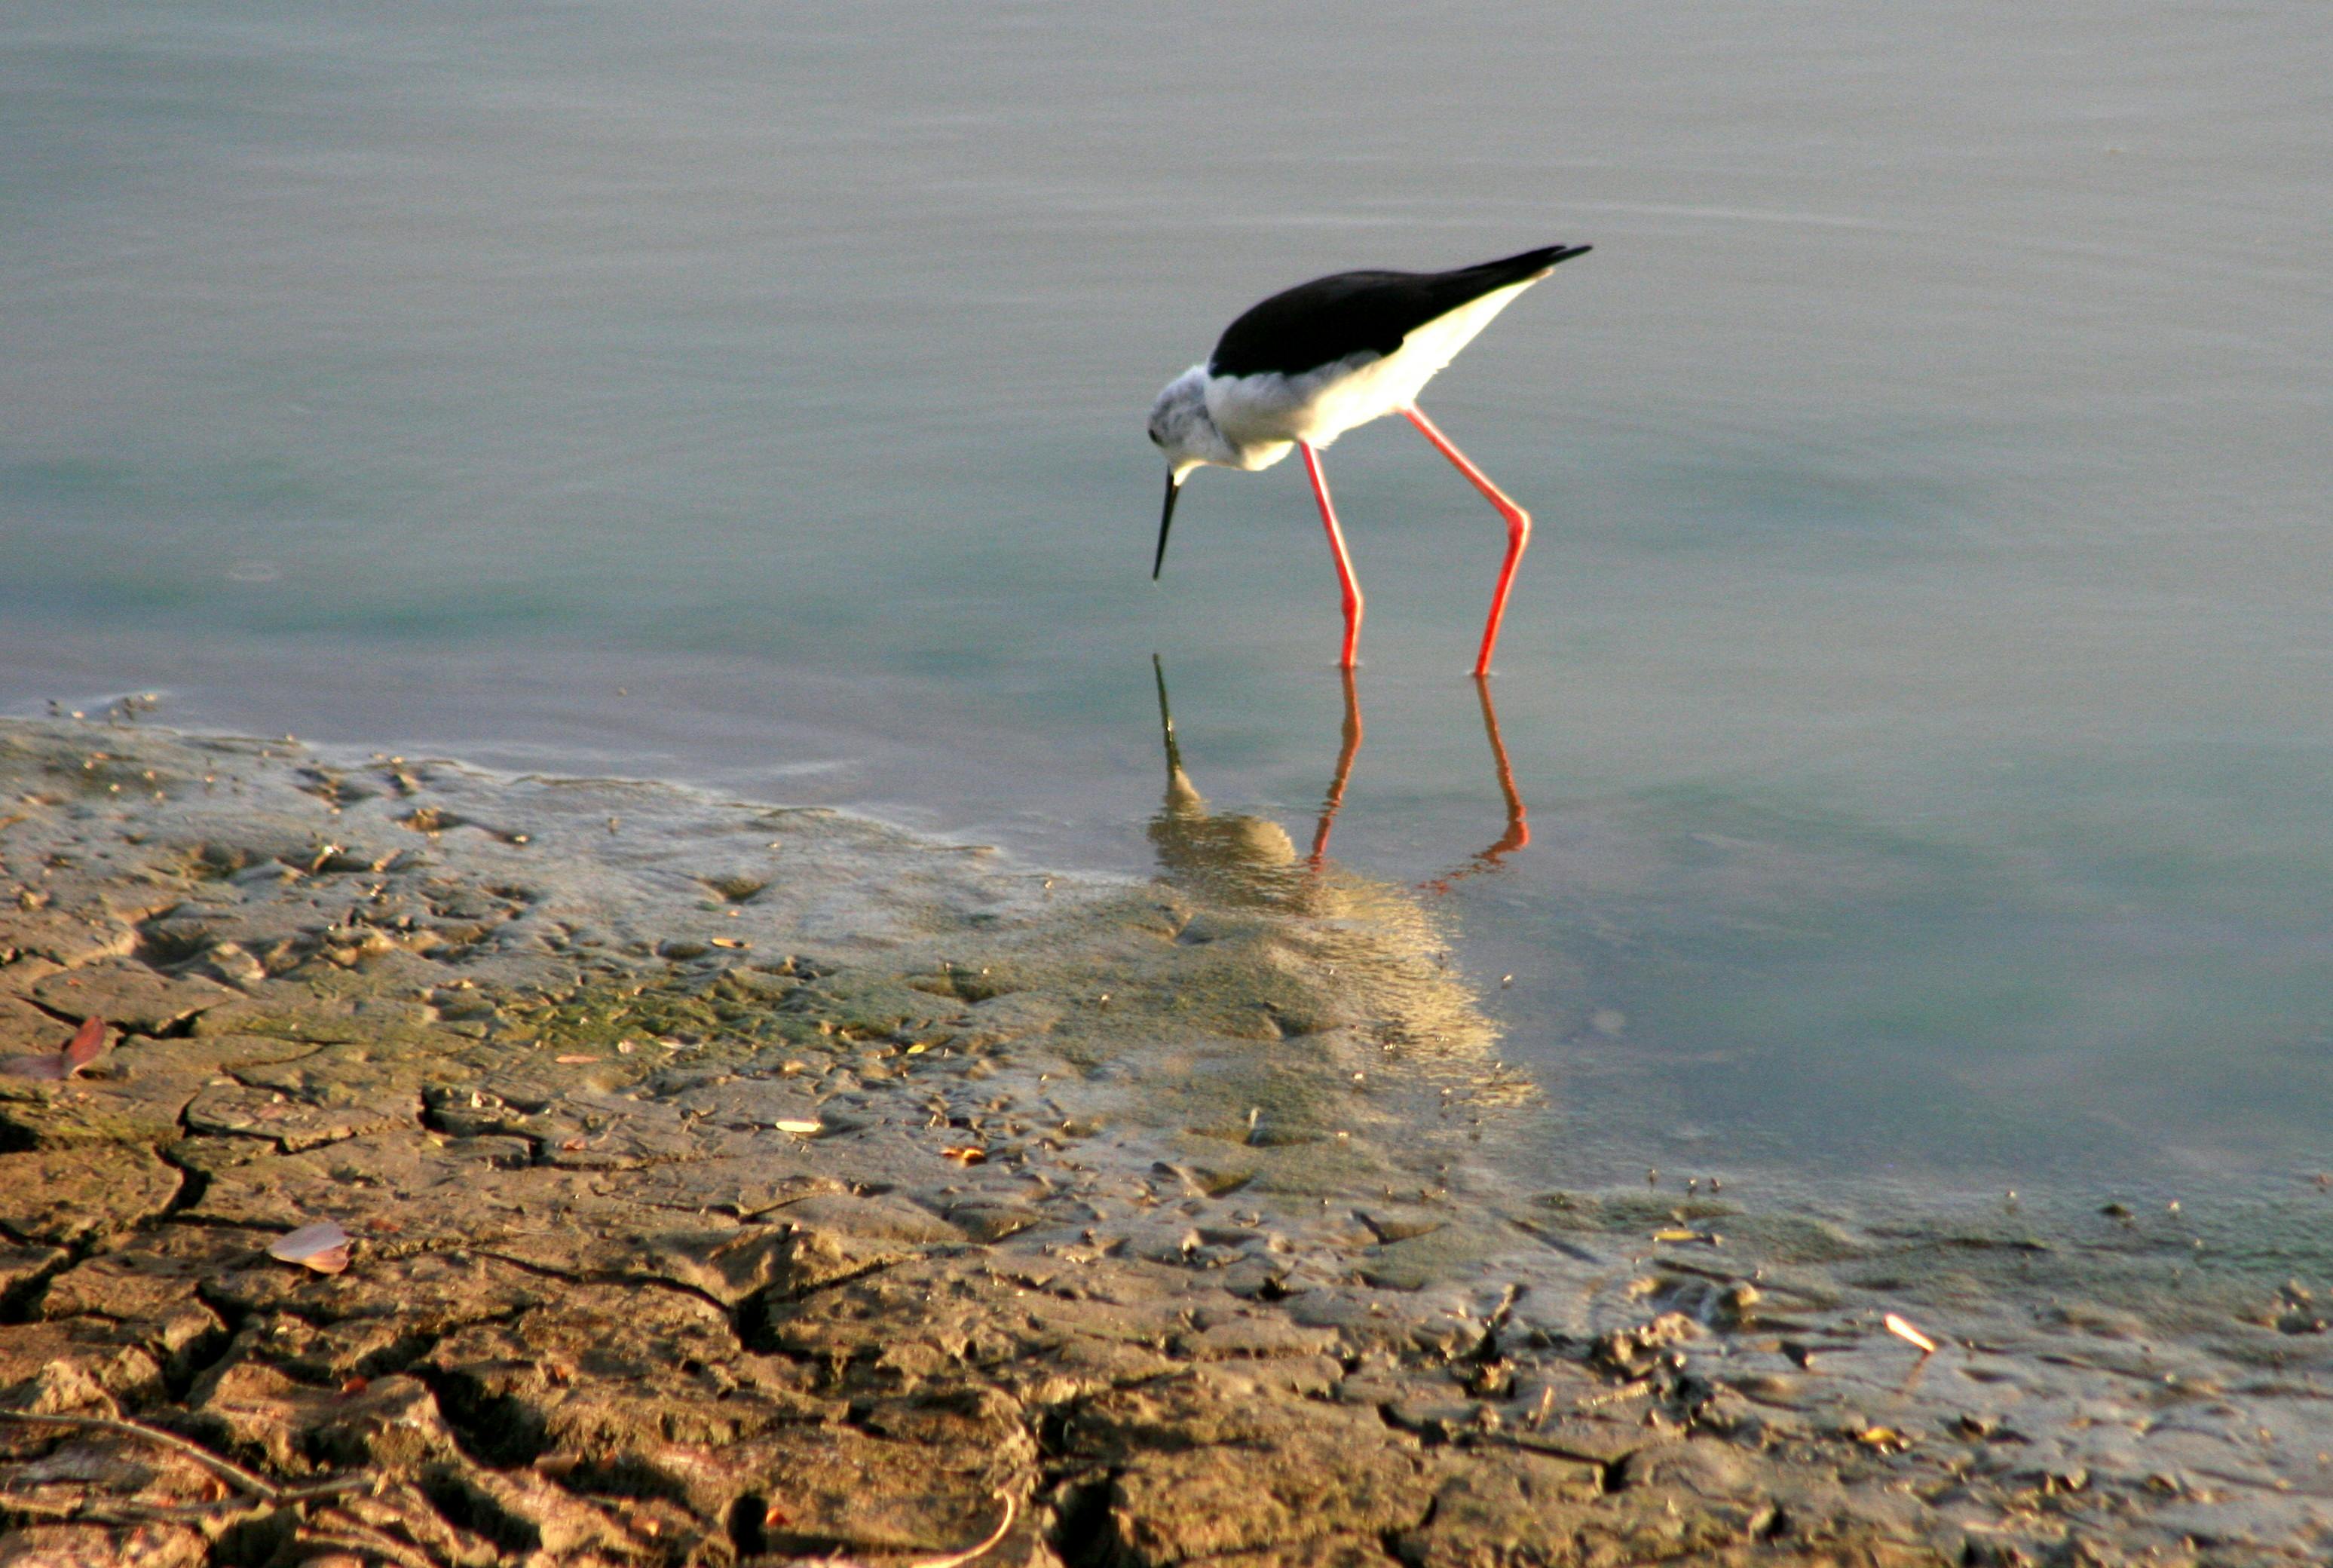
(1917, 689)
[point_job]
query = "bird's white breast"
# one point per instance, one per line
(1262, 414)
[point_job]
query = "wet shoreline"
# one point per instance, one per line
(730, 1180)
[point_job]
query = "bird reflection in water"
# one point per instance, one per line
(1252, 859)
(1346, 970)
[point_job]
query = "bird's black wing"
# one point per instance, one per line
(1320, 322)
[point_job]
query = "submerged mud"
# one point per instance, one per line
(728, 1183)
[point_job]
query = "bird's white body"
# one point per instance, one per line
(1251, 422)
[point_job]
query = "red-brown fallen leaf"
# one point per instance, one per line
(86, 1046)
(355, 1385)
(322, 1247)
(569, 1145)
(772, 1516)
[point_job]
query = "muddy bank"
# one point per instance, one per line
(729, 1183)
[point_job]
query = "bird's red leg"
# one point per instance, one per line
(1344, 562)
(1518, 530)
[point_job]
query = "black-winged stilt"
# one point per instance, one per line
(1304, 367)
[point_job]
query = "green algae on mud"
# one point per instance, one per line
(733, 1182)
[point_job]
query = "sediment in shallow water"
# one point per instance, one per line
(728, 1181)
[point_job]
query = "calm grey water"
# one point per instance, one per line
(1919, 684)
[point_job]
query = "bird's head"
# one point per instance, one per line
(1181, 428)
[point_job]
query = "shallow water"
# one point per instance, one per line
(1918, 686)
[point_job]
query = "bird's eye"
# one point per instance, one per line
(1156, 439)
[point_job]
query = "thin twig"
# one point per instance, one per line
(956, 1559)
(130, 1511)
(126, 1511)
(406, 1553)
(362, 1537)
(361, 1481)
(29, 1503)
(225, 1468)
(951, 1560)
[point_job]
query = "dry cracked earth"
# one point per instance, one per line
(732, 1185)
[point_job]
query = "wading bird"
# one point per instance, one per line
(1304, 367)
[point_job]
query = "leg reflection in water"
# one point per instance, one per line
(1345, 755)
(1518, 831)
(1254, 856)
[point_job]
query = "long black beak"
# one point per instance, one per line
(1165, 521)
